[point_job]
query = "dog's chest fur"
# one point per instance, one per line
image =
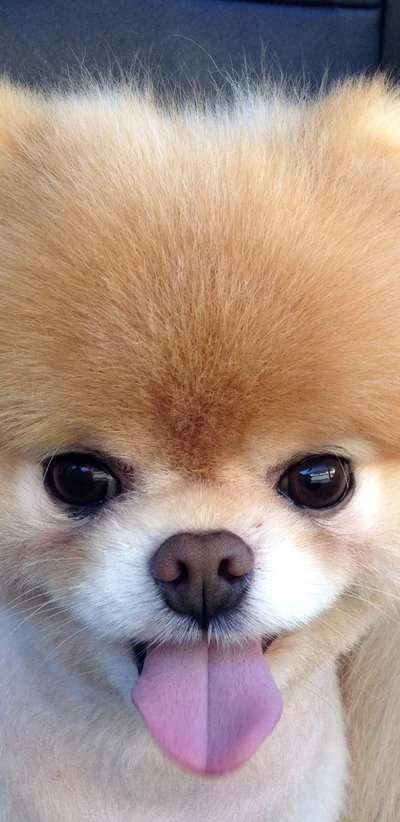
(70, 754)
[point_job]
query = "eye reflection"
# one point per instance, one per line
(318, 474)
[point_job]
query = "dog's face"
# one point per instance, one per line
(199, 336)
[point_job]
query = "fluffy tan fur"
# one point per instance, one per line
(189, 288)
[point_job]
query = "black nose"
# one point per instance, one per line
(203, 575)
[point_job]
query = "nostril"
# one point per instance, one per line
(169, 570)
(182, 573)
(236, 566)
(227, 571)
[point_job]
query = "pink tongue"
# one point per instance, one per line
(208, 708)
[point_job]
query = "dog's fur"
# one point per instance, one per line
(202, 295)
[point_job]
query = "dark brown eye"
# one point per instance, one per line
(317, 482)
(80, 480)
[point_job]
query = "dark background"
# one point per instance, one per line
(47, 41)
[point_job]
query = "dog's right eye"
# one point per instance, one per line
(80, 480)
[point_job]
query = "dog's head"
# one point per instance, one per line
(200, 358)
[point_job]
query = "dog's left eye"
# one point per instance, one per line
(80, 480)
(317, 482)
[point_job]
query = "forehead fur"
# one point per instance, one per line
(173, 282)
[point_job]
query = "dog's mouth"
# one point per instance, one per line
(138, 654)
(139, 650)
(207, 707)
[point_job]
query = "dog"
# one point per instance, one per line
(200, 456)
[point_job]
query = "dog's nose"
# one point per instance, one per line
(203, 575)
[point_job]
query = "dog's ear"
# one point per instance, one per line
(19, 108)
(362, 117)
(382, 120)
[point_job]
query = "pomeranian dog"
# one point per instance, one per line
(200, 457)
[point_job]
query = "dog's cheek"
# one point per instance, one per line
(113, 591)
(315, 557)
(297, 579)
(367, 528)
(39, 545)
